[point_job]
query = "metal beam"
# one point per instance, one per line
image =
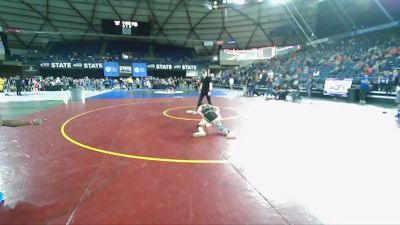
(47, 8)
(44, 17)
(219, 37)
(115, 11)
(158, 24)
(222, 30)
(224, 27)
(106, 35)
(34, 37)
(251, 37)
(15, 35)
(91, 19)
(255, 28)
(252, 20)
(41, 26)
(192, 29)
(136, 8)
(82, 16)
(161, 29)
(231, 37)
(190, 22)
(284, 40)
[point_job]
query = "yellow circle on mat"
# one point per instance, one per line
(194, 119)
(109, 152)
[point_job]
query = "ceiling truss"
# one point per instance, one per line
(178, 22)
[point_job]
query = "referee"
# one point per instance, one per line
(205, 89)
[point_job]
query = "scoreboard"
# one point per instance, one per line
(122, 27)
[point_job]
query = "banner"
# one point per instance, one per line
(125, 70)
(139, 69)
(172, 67)
(337, 87)
(64, 65)
(125, 67)
(232, 56)
(71, 65)
(30, 70)
(111, 69)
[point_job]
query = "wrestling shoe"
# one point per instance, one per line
(36, 122)
(230, 135)
(199, 134)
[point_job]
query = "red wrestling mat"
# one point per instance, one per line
(48, 179)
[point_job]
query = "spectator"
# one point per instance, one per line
(2, 81)
(231, 82)
(309, 85)
(397, 83)
(18, 84)
(364, 87)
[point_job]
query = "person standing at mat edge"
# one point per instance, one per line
(205, 88)
(18, 84)
(397, 83)
(1, 199)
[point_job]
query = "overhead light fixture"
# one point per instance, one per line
(279, 2)
(237, 2)
(208, 5)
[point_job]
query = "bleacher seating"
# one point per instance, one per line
(377, 54)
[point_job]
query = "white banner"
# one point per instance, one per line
(337, 87)
(191, 73)
(125, 69)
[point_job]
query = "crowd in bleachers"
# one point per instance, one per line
(91, 51)
(375, 55)
(36, 84)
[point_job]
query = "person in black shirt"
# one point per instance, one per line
(188, 83)
(295, 90)
(205, 89)
(18, 84)
(281, 92)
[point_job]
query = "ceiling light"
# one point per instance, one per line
(279, 1)
(237, 2)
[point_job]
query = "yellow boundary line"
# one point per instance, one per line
(108, 152)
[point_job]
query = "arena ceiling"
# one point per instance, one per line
(180, 22)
